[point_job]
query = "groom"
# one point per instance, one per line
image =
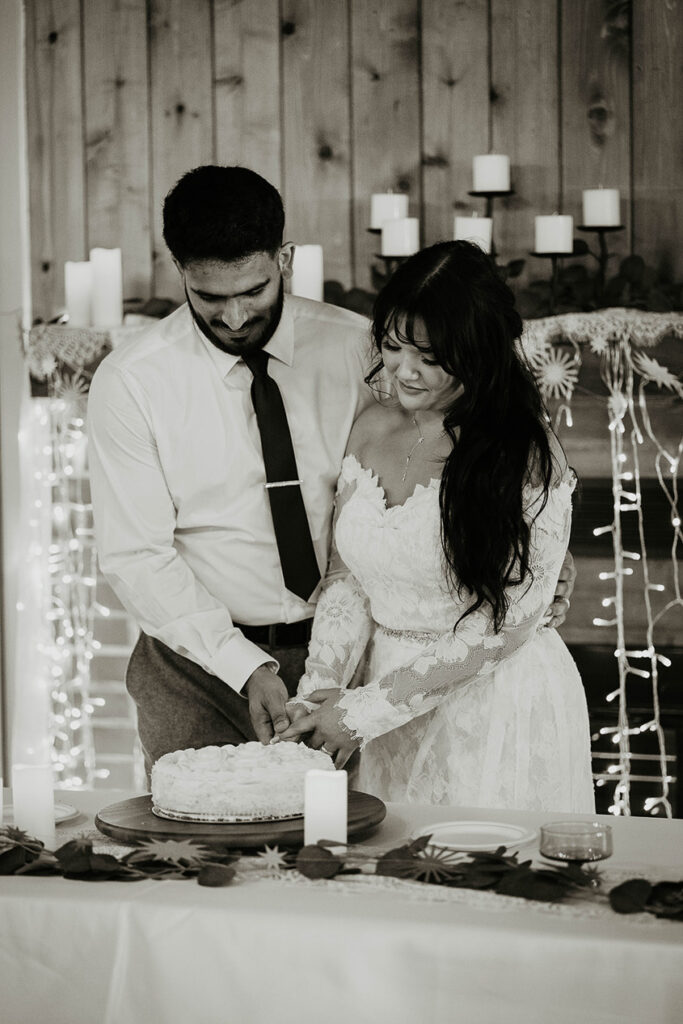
(216, 438)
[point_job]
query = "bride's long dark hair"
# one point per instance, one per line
(498, 425)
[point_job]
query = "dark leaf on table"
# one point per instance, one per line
(77, 860)
(418, 845)
(630, 897)
(317, 862)
(531, 885)
(13, 859)
(398, 863)
(666, 900)
(215, 875)
(45, 864)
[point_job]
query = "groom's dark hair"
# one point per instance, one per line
(222, 213)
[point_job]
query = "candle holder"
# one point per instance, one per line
(603, 256)
(488, 209)
(555, 258)
(390, 263)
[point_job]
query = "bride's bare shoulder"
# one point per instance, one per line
(373, 423)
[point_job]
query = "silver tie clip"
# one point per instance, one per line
(283, 483)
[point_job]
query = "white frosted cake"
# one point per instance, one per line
(249, 782)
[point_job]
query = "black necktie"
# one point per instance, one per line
(292, 532)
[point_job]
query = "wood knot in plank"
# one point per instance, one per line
(450, 81)
(52, 38)
(434, 160)
(232, 81)
(494, 95)
(45, 266)
(598, 120)
(325, 151)
(288, 28)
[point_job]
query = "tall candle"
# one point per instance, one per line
(491, 173)
(474, 229)
(325, 806)
(601, 208)
(33, 801)
(554, 234)
(307, 272)
(78, 292)
(400, 237)
(107, 287)
(387, 206)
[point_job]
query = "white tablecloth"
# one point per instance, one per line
(161, 952)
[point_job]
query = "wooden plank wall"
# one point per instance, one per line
(335, 99)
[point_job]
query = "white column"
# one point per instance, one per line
(15, 310)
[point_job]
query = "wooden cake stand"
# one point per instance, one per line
(133, 820)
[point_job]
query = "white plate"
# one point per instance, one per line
(477, 835)
(63, 812)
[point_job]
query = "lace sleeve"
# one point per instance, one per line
(454, 659)
(341, 626)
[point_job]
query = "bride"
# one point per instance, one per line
(430, 650)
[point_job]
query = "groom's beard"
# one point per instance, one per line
(262, 328)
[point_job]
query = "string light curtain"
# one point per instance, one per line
(619, 336)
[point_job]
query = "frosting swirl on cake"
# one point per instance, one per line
(246, 782)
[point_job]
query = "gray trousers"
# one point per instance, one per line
(180, 705)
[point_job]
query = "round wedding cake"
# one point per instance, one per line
(249, 782)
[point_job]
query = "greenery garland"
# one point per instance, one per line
(498, 871)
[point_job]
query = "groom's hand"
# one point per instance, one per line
(267, 696)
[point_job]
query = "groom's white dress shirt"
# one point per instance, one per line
(182, 517)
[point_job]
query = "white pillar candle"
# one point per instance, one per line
(491, 173)
(33, 801)
(387, 206)
(554, 234)
(78, 292)
(601, 208)
(325, 806)
(107, 287)
(307, 272)
(474, 229)
(400, 237)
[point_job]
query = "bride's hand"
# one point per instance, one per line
(296, 710)
(323, 728)
(557, 612)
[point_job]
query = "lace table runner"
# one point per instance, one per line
(251, 870)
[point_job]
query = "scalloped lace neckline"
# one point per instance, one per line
(370, 475)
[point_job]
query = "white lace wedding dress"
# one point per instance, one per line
(474, 718)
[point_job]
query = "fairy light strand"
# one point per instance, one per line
(618, 337)
(62, 549)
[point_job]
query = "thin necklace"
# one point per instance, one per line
(412, 450)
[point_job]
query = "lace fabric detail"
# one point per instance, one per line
(642, 328)
(406, 587)
(474, 717)
(412, 635)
